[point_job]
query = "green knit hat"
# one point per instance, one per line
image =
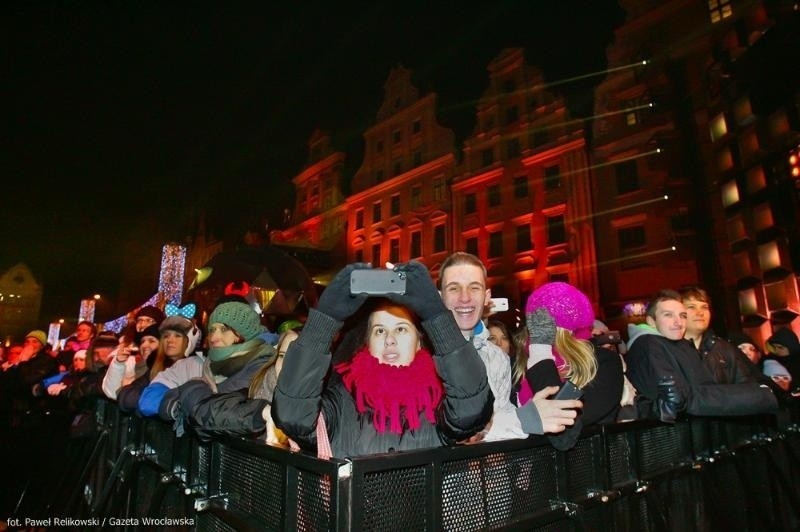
(39, 335)
(239, 317)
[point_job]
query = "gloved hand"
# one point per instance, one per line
(670, 400)
(541, 327)
(421, 294)
(336, 300)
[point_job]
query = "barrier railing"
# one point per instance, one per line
(698, 474)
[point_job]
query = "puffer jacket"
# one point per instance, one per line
(301, 394)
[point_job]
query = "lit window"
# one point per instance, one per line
(768, 256)
(718, 127)
(730, 193)
(747, 302)
(631, 119)
(719, 9)
(762, 217)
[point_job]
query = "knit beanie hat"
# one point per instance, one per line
(569, 307)
(151, 312)
(39, 335)
(240, 317)
(152, 330)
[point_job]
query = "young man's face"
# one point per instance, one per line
(464, 292)
(670, 319)
(698, 316)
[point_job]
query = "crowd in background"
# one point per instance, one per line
(367, 373)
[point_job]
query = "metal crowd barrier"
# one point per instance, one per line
(698, 474)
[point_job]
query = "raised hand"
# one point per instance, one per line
(421, 294)
(336, 300)
(541, 327)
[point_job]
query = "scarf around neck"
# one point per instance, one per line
(393, 392)
(230, 359)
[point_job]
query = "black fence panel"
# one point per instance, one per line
(697, 474)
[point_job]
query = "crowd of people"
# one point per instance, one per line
(423, 367)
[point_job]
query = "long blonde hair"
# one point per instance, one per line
(579, 354)
(162, 361)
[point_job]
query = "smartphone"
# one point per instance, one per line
(569, 391)
(377, 282)
(499, 304)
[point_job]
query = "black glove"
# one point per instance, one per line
(670, 400)
(541, 327)
(336, 300)
(421, 294)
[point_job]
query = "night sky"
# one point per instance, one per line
(116, 112)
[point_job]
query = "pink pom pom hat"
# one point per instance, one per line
(570, 307)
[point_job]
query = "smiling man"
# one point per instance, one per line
(722, 359)
(462, 283)
(670, 376)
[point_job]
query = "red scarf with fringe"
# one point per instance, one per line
(393, 392)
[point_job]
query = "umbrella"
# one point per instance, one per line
(277, 282)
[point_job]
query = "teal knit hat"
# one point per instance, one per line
(239, 317)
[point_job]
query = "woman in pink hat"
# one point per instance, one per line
(559, 320)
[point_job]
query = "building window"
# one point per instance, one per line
(417, 157)
(494, 195)
(394, 250)
(439, 242)
(719, 9)
(379, 175)
(556, 233)
(679, 223)
(359, 255)
(376, 212)
(416, 196)
(394, 205)
(631, 238)
(512, 148)
(487, 157)
(512, 115)
(416, 245)
(470, 203)
(521, 186)
(438, 189)
(376, 254)
(496, 244)
(539, 137)
(360, 219)
(379, 146)
(524, 238)
(397, 136)
(627, 177)
(416, 126)
(718, 127)
(552, 177)
(397, 167)
(471, 245)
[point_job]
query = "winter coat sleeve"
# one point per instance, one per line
(468, 402)
(128, 396)
(297, 396)
(230, 414)
(151, 397)
(112, 382)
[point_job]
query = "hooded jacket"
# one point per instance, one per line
(787, 338)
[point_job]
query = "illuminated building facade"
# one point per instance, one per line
(753, 128)
(521, 201)
(693, 127)
(20, 302)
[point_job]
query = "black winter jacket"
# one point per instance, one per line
(653, 356)
(724, 361)
(301, 393)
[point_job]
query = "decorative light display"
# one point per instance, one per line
(173, 264)
(635, 309)
(170, 288)
(53, 334)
